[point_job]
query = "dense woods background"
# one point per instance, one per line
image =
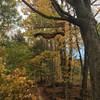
(49, 50)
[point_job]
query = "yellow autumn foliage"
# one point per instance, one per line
(15, 85)
(45, 6)
(44, 55)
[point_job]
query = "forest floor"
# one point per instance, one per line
(57, 93)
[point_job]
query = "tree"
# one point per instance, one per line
(8, 17)
(85, 20)
(8, 14)
(17, 51)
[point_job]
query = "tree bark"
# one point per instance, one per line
(92, 49)
(83, 92)
(91, 41)
(84, 73)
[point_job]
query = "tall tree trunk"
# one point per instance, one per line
(84, 73)
(92, 49)
(91, 42)
(83, 92)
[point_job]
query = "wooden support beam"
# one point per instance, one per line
(49, 25)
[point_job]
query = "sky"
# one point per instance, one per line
(98, 18)
(95, 8)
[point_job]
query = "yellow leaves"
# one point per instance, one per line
(19, 72)
(20, 80)
(36, 61)
(49, 54)
(2, 68)
(75, 63)
(8, 77)
(45, 6)
(16, 84)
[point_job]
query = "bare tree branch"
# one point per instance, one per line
(93, 2)
(97, 13)
(41, 14)
(96, 4)
(64, 16)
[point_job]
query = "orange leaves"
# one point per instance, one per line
(75, 63)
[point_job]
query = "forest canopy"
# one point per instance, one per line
(49, 50)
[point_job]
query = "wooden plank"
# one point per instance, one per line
(49, 25)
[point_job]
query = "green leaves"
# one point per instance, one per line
(8, 14)
(17, 54)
